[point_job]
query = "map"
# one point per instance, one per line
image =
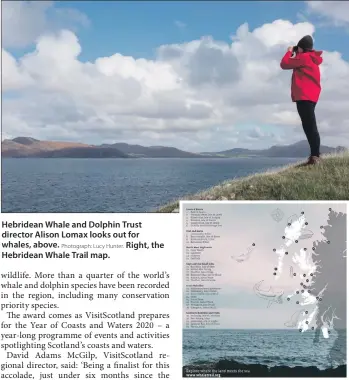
(270, 274)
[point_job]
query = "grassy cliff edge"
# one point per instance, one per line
(326, 181)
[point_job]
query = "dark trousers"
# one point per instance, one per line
(306, 111)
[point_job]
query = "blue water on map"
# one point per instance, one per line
(116, 185)
(268, 347)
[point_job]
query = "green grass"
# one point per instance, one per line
(326, 181)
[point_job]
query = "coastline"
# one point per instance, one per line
(326, 181)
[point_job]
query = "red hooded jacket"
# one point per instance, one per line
(306, 74)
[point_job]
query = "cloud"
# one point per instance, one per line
(180, 24)
(335, 11)
(15, 78)
(24, 21)
(196, 95)
(257, 133)
(66, 16)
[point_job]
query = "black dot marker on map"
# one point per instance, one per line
(302, 290)
(307, 322)
(320, 299)
(296, 241)
(294, 274)
(274, 274)
(275, 268)
(328, 242)
(302, 212)
(317, 298)
(288, 299)
(300, 330)
(311, 274)
(253, 244)
(306, 223)
(297, 302)
(306, 312)
(286, 253)
(283, 237)
(307, 280)
(304, 275)
(304, 286)
(302, 283)
(313, 328)
(297, 291)
(321, 226)
(274, 249)
(305, 249)
(330, 209)
(313, 248)
(288, 224)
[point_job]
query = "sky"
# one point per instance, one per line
(243, 225)
(199, 76)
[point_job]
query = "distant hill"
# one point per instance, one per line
(153, 151)
(83, 152)
(299, 149)
(30, 147)
(25, 140)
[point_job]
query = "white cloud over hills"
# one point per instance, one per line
(200, 95)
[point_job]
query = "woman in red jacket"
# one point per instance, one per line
(306, 89)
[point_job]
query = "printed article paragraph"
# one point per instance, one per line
(90, 297)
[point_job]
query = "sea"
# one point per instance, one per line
(116, 185)
(267, 347)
